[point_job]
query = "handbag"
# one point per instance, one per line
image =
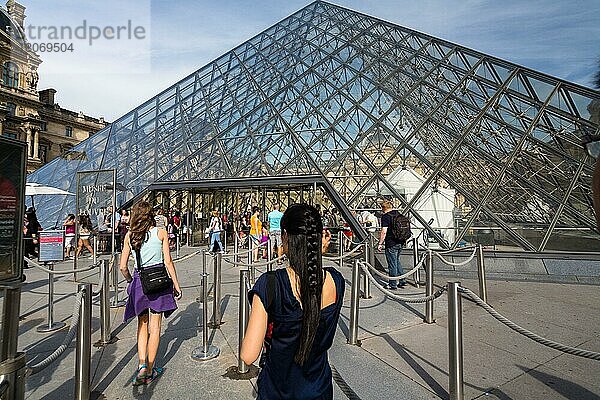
(154, 279)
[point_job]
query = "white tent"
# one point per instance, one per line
(436, 205)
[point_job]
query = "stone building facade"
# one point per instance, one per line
(28, 114)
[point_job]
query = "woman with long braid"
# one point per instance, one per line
(297, 309)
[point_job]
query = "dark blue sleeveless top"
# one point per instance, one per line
(281, 377)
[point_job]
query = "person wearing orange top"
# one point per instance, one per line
(255, 232)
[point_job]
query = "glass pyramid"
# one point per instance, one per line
(358, 100)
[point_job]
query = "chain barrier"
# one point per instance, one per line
(53, 272)
(403, 299)
(471, 257)
(36, 368)
(395, 278)
(346, 255)
(535, 337)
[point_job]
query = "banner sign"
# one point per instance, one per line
(52, 245)
(12, 203)
(95, 194)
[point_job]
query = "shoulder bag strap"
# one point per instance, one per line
(138, 257)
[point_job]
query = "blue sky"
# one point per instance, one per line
(560, 38)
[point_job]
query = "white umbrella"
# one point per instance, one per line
(34, 189)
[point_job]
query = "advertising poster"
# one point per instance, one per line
(12, 201)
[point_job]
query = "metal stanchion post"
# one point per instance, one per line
(269, 255)
(115, 302)
(224, 241)
(354, 304)
(243, 323)
(95, 248)
(51, 326)
(417, 274)
(250, 259)
(481, 274)
(217, 290)
(455, 345)
(236, 246)
(12, 363)
(105, 334)
(205, 352)
(365, 278)
(371, 242)
(84, 346)
(429, 288)
(340, 238)
(177, 245)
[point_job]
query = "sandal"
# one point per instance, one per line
(138, 378)
(156, 372)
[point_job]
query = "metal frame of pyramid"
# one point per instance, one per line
(349, 97)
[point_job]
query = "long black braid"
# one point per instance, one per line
(303, 227)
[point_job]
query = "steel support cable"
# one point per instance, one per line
(535, 337)
(35, 368)
(395, 278)
(350, 394)
(403, 299)
(50, 271)
(346, 255)
(260, 264)
(468, 260)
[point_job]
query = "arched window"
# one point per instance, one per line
(10, 74)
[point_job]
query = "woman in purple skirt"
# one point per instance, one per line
(153, 244)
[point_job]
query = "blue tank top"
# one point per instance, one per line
(281, 377)
(151, 250)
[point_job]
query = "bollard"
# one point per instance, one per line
(243, 323)
(417, 274)
(177, 245)
(105, 335)
(115, 302)
(84, 343)
(12, 362)
(205, 352)
(481, 274)
(217, 291)
(51, 326)
(354, 304)
(455, 345)
(429, 288)
(95, 248)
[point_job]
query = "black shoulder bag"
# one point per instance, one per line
(154, 279)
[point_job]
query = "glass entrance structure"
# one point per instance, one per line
(374, 109)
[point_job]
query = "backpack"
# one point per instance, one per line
(400, 227)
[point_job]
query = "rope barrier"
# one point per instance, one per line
(240, 253)
(471, 257)
(403, 299)
(455, 250)
(195, 253)
(535, 337)
(35, 368)
(395, 278)
(259, 264)
(50, 271)
(345, 388)
(346, 255)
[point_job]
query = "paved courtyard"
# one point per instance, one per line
(400, 356)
